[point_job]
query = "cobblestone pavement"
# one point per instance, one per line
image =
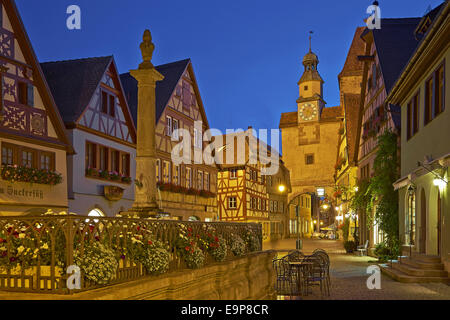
(349, 277)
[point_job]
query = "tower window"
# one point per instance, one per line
(306, 88)
(309, 159)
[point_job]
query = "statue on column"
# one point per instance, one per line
(147, 48)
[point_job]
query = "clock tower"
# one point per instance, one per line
(310, 102)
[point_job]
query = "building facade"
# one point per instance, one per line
(187, 190)
(308, 135)
(386, 52)
(33, 141)
(422, 92)
(346, 174)
(90, 98)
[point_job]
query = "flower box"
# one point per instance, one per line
(24, 174)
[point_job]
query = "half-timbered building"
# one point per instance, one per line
(90, 98)
(33, 140)
(242, 191)
(386, 53)
(186, 191)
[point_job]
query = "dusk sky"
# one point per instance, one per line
(246, 54)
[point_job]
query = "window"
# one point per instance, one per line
(232, 203)
(158, 170)
(197, 139)
(207, 182)
(91, 155)
(176, 174)
(103, 159)
(365, 172)
(108, 104)
(168, 126)
(413, 116)
(259, 204)
(428, 114)
(166, 171)
(112, 106)
(125, 165)
(25, 93)
(186, 95)
(175, 128)
(410, 234)
(7, 155)
(270, 206)
(108, 159)
(200, 180)
(233, 173)
(46, 161)
(275, 206)
(188, 178)
(439, 91)
(104, 102)
(115, 161)
(28, 158)
(309, 159)
(306, 88)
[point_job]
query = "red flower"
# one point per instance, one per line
(2, 240)
(189, 234)
(91, 228)
(189, 229)
(138, 228)
(198, 236)
(216, 239)
(187, 248)
(150, 242)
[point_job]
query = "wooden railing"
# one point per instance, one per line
(36, 251)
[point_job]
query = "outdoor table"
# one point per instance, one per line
(299, 265)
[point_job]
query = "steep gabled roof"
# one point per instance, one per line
(73, 83)
(288, 119)
(39, 79)
(352, 110)
(172, 73)
(332, 113)
(352, 65)
(395, 42)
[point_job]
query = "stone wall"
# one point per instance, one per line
(247, 278)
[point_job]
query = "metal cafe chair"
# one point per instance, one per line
(314, 273)
(287, 283)
(295, 255)
(325, 262)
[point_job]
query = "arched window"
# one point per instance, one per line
(96, 213)
(410, 225)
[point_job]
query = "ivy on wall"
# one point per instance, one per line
(378, 191)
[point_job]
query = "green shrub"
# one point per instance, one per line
(350, 246)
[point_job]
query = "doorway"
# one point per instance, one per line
(423, 222)
(439, 223)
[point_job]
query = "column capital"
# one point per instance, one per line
(146, 77)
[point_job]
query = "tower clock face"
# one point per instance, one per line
(308, 111)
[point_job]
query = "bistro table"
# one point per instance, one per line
(301, 267)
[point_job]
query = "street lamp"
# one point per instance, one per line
(281, 188)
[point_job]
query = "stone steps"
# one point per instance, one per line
(422, 265)
(419, 272)
(400, 276)
(426, 258)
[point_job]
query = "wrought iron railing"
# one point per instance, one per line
(36, 251)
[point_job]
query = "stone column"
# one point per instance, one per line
(145, 203)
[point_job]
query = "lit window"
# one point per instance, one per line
(232, 203)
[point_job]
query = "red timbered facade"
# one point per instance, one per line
(188, 190)
(33, 140)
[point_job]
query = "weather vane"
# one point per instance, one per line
(310, 37)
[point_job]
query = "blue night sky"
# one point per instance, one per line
(246, 54)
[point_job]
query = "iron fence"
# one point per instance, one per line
(36, 251)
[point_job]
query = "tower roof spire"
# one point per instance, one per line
(310, 37)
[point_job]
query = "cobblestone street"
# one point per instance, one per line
(348, 276)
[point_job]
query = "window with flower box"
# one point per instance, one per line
(207, 182)
(107, 163)
(27, 157)
(158, 170)
(200, 180)
(166, 171)
(176, 175)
